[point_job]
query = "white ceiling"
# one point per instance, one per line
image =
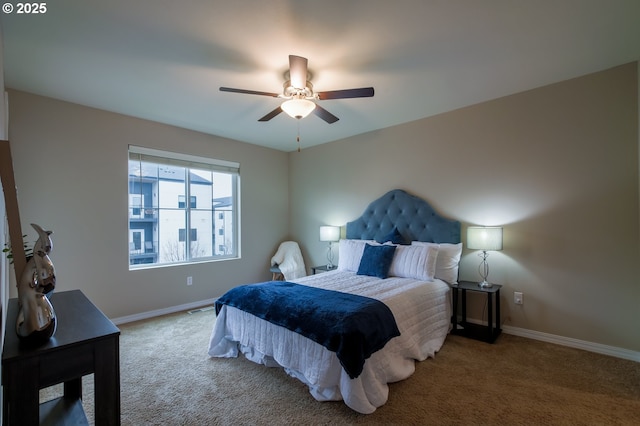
(165, 60)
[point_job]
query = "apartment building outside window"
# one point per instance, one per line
(170, 193)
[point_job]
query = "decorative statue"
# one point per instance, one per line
(36, 321)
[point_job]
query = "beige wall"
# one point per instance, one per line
(71, 171)
(556, 166)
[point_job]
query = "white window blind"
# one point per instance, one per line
(138, 153)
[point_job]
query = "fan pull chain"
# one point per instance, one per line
(298, 137)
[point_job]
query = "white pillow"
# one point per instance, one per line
(417, 262)
(350, 253)
(447, 262)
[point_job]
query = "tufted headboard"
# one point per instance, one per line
(415, 219)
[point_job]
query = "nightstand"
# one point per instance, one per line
(323, 268)
(487, 333)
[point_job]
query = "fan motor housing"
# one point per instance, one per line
(291, 92)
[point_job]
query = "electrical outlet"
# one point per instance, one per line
(518, 298)
(189, 280)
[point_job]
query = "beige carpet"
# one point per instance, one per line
(168, 379)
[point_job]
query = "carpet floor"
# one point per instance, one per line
(168, 379)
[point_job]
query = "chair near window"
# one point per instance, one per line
(287, 263)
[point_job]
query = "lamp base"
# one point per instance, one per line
(485, 284)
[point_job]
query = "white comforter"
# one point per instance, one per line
(423, 314)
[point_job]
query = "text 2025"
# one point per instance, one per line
(31, 8)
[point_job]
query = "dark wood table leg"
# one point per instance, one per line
(498, 329)
(464, 308)
(107, 383)
(23, 400)
(73, 388)
(490, 316)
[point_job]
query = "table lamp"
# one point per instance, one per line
(485, 238)
(330, 234)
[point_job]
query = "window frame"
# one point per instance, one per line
(189, 162)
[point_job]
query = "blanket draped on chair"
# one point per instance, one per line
(289, 259)
(352, 326)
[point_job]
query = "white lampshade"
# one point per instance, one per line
(484, 238)
(298, 108)
(329, 233)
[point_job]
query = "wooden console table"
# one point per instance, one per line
(85, 342)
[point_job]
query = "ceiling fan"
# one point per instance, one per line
(300, 95)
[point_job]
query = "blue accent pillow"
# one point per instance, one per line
(376, 260)
(394, 237)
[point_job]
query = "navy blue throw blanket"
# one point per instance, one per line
(352, 326)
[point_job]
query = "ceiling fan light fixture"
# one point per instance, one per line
(298, 108)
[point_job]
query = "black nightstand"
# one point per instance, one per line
(323, 268)
(487, 333)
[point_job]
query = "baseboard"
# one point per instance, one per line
(159, 312)
(573, 343)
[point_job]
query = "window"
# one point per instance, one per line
(135, 204)
(182, 235)
(136, 237)
(160, 183)
(182, 200)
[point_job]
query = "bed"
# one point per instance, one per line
(414, 286)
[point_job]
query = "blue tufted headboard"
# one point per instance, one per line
(415, 219)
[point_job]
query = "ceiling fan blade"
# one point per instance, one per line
(248, 92)
(325, 115)
(298, 71)
(363, 92)
(271, 114)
